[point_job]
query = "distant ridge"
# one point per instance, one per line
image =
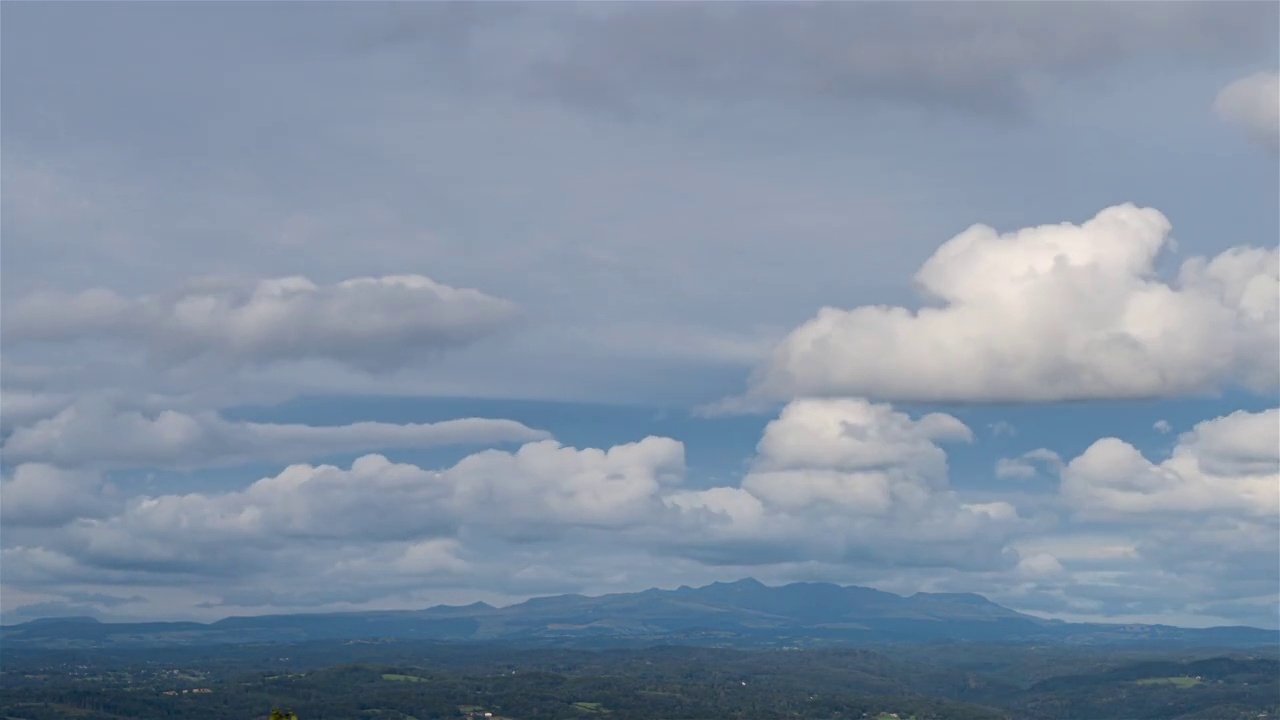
(742, 613)
(66, 619)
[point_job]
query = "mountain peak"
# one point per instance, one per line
(747, 582)
(69, 619)
(966, 598)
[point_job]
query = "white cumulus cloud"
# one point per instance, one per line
(1024, 466)
(1040, 566)
(1014, 469)
(1229, 464)
(1253, 104)
(539, 490)
(857, 455)
(544, 485)
(1049, 313)
(847, 480)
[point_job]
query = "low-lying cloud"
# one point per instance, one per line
(92, 434)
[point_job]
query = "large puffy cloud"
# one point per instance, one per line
(1229, 464)
(1056, 312)
(1253, 104)
(852, 454)
(367, 323)
(94, 434)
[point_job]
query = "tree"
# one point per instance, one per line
(286, 715)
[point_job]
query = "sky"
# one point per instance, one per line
(311, 307)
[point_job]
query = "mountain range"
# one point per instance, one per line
(741, 613)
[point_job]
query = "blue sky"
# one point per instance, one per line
(250, 249)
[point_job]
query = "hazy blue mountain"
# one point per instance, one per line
(745, 612)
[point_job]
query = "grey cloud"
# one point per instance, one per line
(1154, 590)
(35, 611)
(40, 495)
(1258, 612)
(93, 434)
(1198, 546)
(1189, 563)
(359, 575)
(447, 26)
(72, 604)
(1174, 580)
(103, 599)
(1253, 104)
(988, 58)
(69, 559)
(374, 324)
(20, 407)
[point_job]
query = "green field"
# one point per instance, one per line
(1182, 682)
